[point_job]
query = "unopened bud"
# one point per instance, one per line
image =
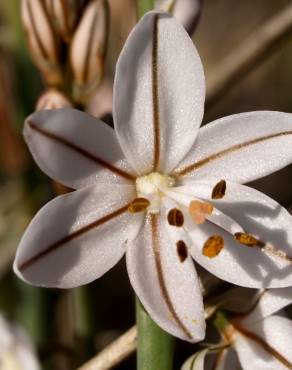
(88, 49)
(41, 39)
(64, 14)
(187, 12)
(52, 99)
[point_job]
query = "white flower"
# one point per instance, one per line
(16, 351)
(154, 187)
(261, 339)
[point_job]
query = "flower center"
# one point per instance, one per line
(152, 187)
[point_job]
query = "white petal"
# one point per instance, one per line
(167, 286)
(260, 216)
(277, 333)
(158, 95)
(24, 351)
(196, 362)
(75, 149)
(77, 237)
(270, 301)
(225, 359)
(183, 195)
(242, 147)
(16, 350)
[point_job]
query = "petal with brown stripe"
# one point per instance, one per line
(241, 148)
(77, 237)
(158, 95)
(224, 359)
(269, 302)
(196, 362)
(75, 148)
(263, 266)
(266, 345)
(166, 285)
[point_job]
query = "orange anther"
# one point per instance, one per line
(199, 210)
(248, 240)
(213, 246)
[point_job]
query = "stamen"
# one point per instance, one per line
(219, 190)
(248, 240)
(182, 250)
(175, 217)
(273, 251)
(139, 205)
(213, 246)
(198, 211)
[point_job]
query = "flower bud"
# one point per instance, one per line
(88, 49)
(187, 12)
(41, 39)
(52, 99)
(64, 14)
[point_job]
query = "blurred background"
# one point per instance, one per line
(68, 327)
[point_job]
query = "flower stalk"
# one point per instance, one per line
(155, 346)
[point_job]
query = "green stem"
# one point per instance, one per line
(84, 321)
(155, 346)
(220, 321)
(144, 6)
(33, 312)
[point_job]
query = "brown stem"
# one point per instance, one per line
(115, 353)
(249, 54)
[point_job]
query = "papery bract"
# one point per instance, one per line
(88, 49)
(65, 15)
(52, 99)
(42, 39)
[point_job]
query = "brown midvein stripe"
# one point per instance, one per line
(164, 291)
(155, 98)
(81, 151)
(61, 242)
(89, 47)
(220, 154)
(66, 16)
(271, 350)
(37, 36)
